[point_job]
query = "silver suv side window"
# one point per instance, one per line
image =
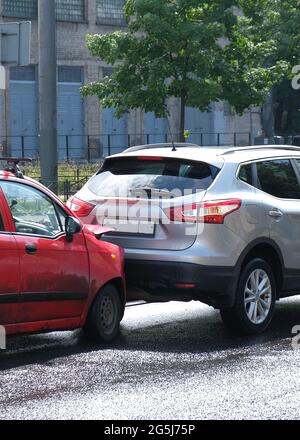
(246, 173)
(277, 178)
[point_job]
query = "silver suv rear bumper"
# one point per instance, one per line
(164, 280)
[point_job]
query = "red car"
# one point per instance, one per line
(55, 273)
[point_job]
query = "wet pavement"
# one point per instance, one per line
(171, 361)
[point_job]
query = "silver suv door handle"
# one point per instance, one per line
(275, 213)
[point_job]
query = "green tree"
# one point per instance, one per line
(285, 103)
(197, 51)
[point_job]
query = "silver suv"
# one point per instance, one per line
(221, 226)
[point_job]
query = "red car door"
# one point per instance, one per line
(54, 272)
(9, 271)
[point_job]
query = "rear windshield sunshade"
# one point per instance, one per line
(160, 176)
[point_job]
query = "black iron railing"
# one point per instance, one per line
(94, 147)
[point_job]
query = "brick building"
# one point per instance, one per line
(82, 124)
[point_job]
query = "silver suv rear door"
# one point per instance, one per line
(280, 192)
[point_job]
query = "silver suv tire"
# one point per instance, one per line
(255, 299)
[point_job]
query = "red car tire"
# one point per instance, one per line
(103, 321)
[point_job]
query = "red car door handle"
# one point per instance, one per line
(31, 249)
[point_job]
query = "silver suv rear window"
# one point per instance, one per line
(158, 174)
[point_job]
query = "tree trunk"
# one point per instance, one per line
(182, 117)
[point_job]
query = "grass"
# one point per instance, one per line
(66, 171)
(71, 176)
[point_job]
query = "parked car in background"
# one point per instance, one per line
(56, 273)
(224, 225)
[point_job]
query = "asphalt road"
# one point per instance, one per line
(171, 361)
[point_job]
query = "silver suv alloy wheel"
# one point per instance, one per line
(258, 296)
(255, 299)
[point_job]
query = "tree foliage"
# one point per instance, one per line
(285, 98)
(198, 51)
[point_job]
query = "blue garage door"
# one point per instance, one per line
(114, 132)
(155, 129)
(23, 111)
(114, 136)
(199, 124)
(70, 127)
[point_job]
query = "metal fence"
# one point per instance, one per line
(91, 148)
(66, 186)
(72, 176)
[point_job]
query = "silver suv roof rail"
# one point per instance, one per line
(165, 145)
(261, 147)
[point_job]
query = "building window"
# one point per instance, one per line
(111, 12)
(70, 10)
(66, 10)
(107, 71)
(70, 74)
(24, 73)
(20, 8)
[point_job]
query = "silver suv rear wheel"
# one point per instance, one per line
(258, 296)
(255, 299)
